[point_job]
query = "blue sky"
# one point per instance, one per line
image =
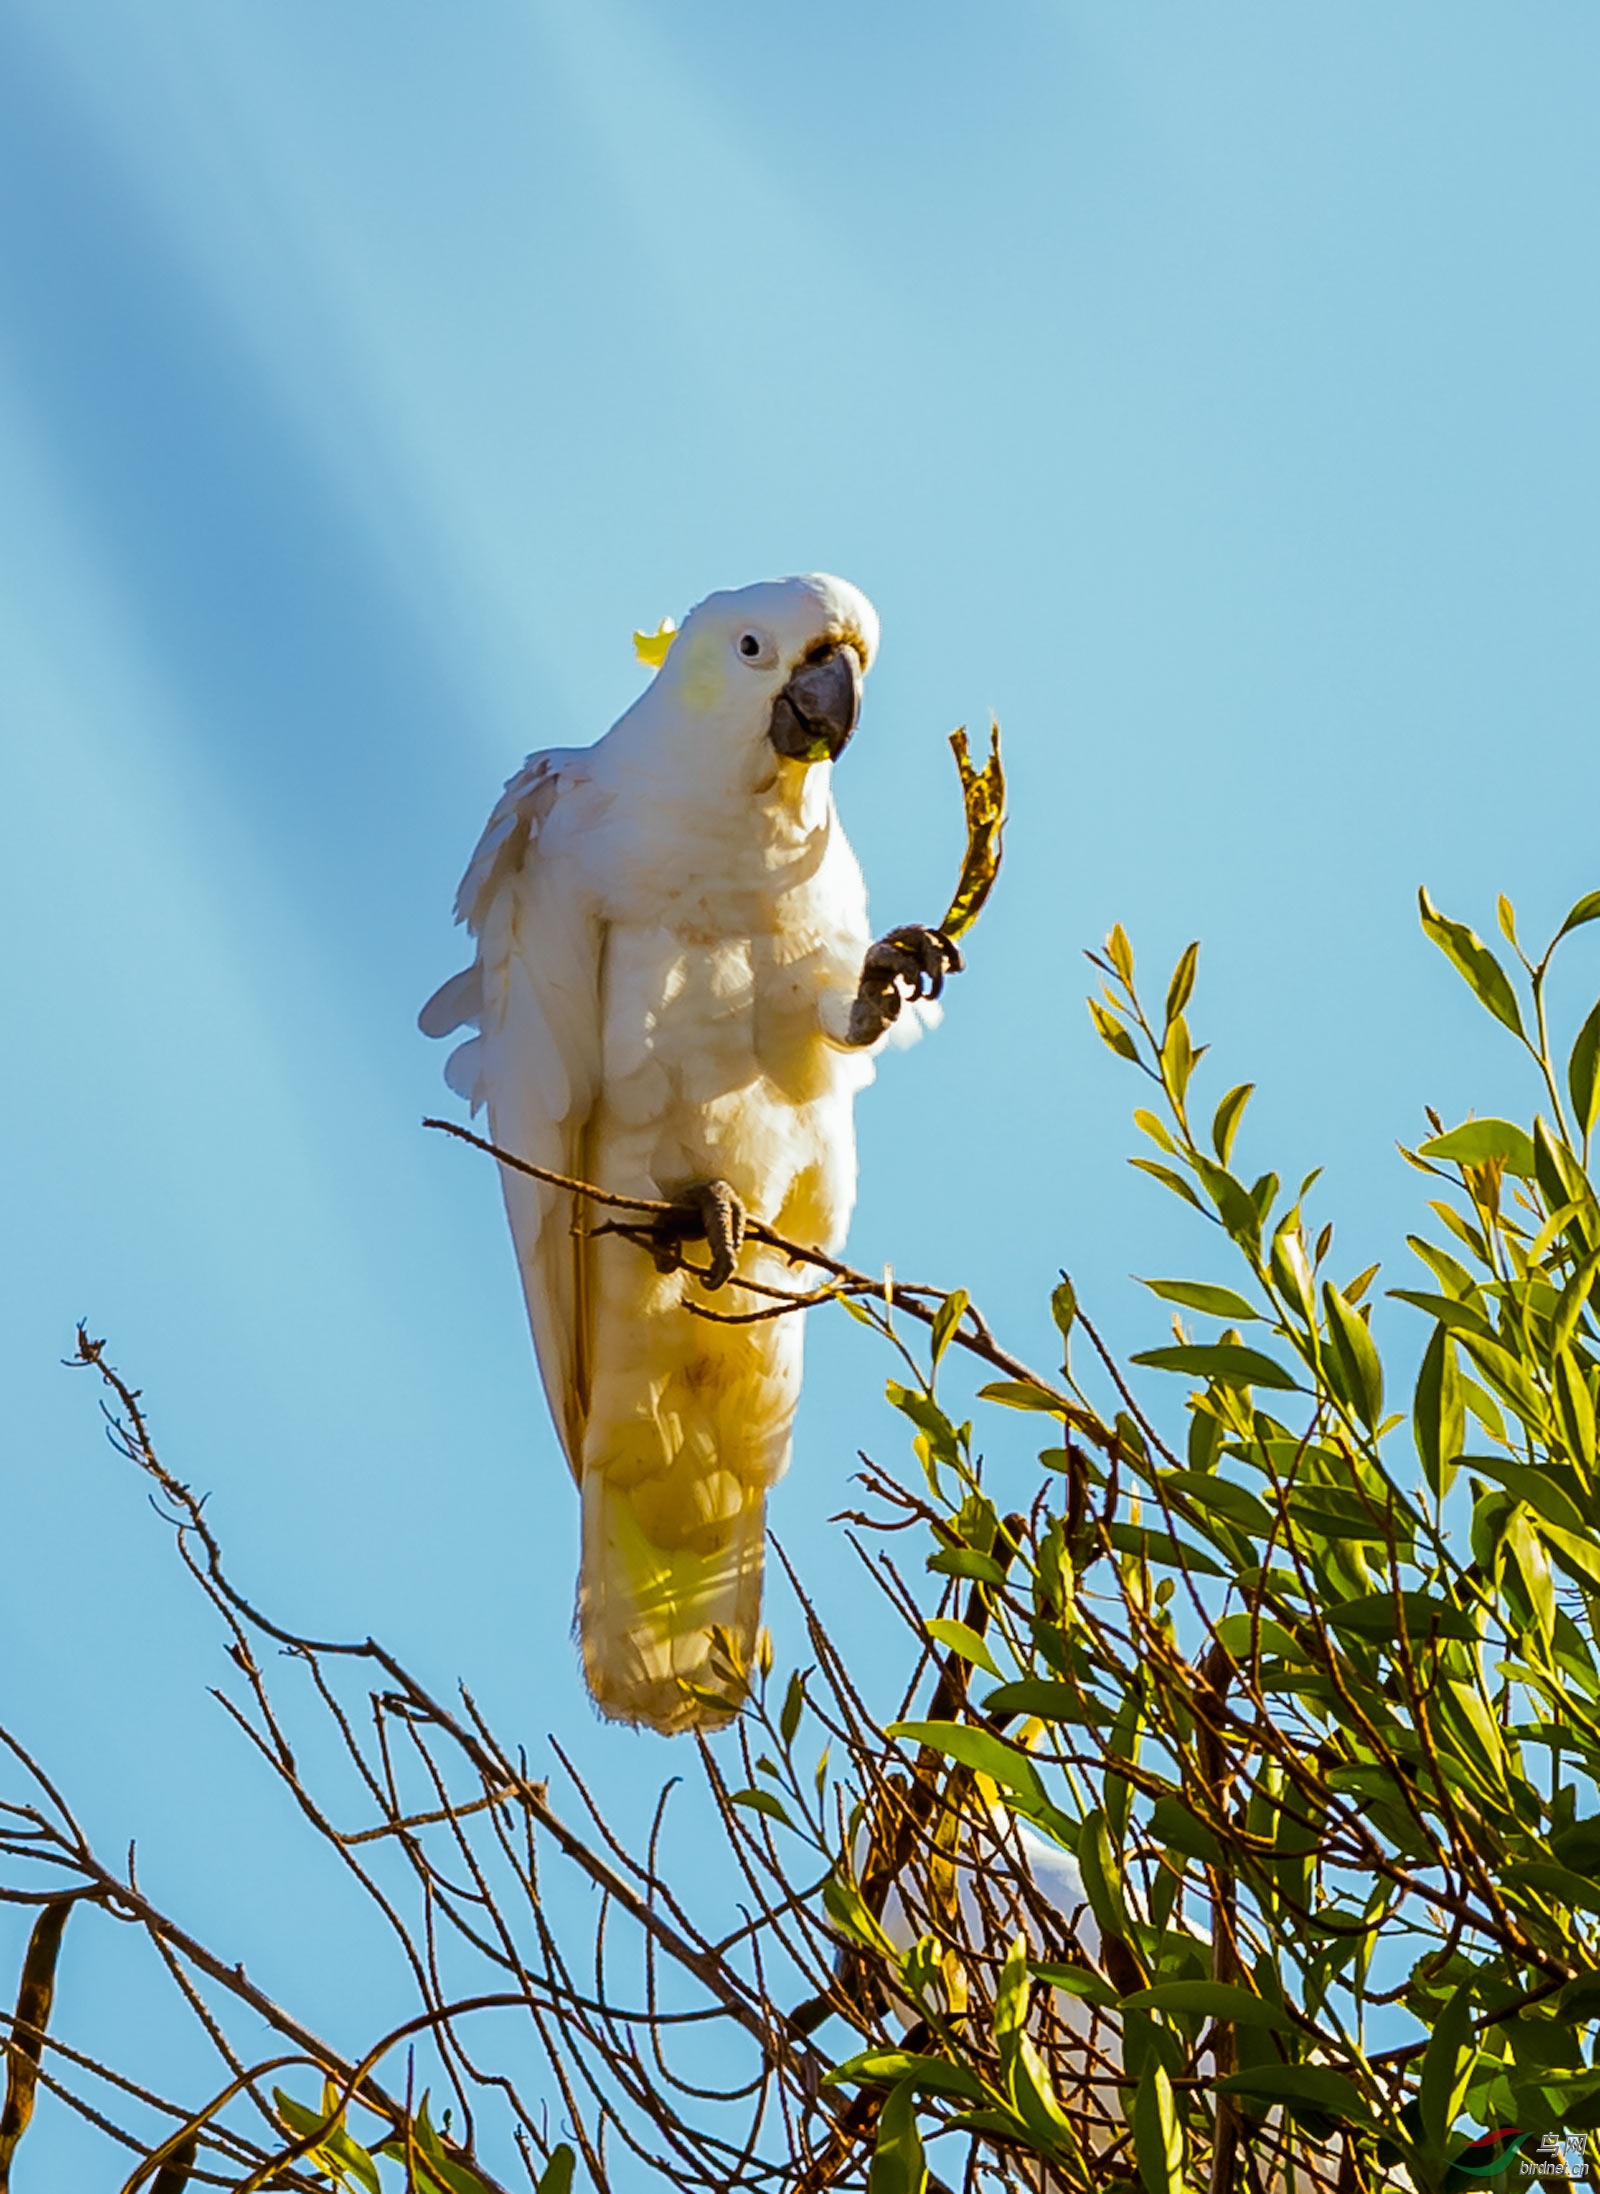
(1209, 391)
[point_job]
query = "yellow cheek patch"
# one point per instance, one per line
(703, 683)
(651, 647)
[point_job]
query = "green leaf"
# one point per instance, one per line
(1582, 1079)
(1319, 2085)
(1181, 987)
(945, 1320)
(1002, 2125)
(794, 1700)
(1438, 1420)
(1538, 1487)
(1477, 1142)
(1034, 2098)
(1112, 1031)
(762, 1801)
(436, 2173)
(1050, 1702)
(1577, 1552)
(1161, 1548)
(1173, 1825)
(927, 1416)
(1178, 1057)
(963, 1639)
(1237, 1206)
(1216, 1302)
(1221, 1360)
(1168, 1179)
(1155, 1129)
(1579, 2001)
(1473, 960)
(1447, 2066)
(1064, 1308)
(1237, 1504)
(966, 1561)
(1356, 1356)
(1120, 953)
(1578, 1845)
(1458, 1317)
(898, 2165)
(337, 2154)
(1077, 1980)
(848, 1910)
(1373, 1616)
(979, 1749)
(1574, 1301)
(1102, 1878)
(1011, 1990)
(1575, 1407)
(556, 2177)
(893, 2067)
(1226, 1124)
(1211, 2000)
(1559, 1882)
(1022, 1394)
(1586, 910)
(1157, 2134)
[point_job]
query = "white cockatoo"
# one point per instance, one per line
(677, 997)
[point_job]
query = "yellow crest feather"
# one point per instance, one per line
(651, 647)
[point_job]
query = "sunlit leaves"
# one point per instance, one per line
(1484, 1142)
(1587, 909)
(1157, 2133)
(556, 2177)
(1229, 1113)
(898, 2164)
(960, 1638)
(980, 1749)
(1583, 1074)
(335, 2152)
(1305, 2084)
(762, 1801)
(1224, 1361)
(1287, 1671)
(1479, 968)
(1181, 986)
(946, 1319)
(1447, 2069)
(1113, 1032)
(1379, 1615)
(894, 2067)
(1438, 1418)
(433, 2170)
(1355, 1359)
(1212, 2000)
(1215, 1302)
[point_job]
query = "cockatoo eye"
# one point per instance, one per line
(750, 645)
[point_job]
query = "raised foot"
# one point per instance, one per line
(709, 1211)
(911, 962)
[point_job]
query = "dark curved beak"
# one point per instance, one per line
(818, 709)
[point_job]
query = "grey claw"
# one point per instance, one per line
(910, 962)
(720, 1216)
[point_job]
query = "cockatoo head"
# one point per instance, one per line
(775, 667)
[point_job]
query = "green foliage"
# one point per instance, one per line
(1310, 1696)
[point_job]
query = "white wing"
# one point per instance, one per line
(532, 993)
